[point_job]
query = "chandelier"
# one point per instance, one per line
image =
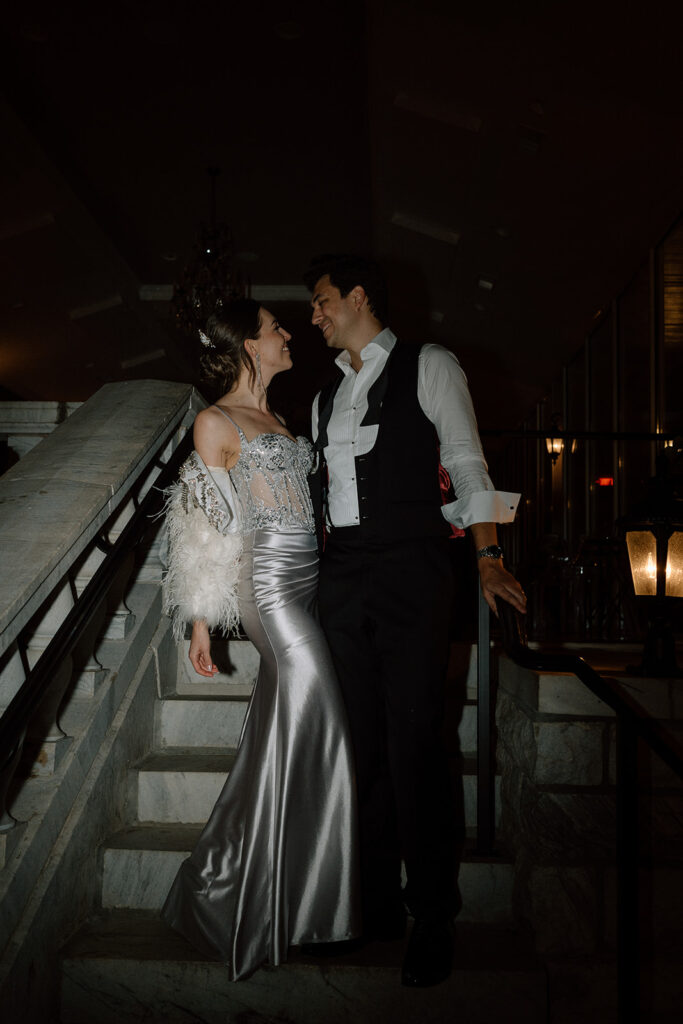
(208, 281)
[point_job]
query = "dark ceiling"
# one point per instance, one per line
(509, 165)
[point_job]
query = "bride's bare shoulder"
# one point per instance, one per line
(212, 420)
(215, 436)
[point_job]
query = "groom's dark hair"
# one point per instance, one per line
(347, 271)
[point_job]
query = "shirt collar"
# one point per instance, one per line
(379, 348)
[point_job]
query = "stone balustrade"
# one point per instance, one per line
(24, 424)
(64, 502)
(54, 503)
(63, 499)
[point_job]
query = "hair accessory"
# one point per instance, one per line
(205, 339)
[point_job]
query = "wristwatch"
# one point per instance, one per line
(490, 551)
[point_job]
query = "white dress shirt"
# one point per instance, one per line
(445, 400)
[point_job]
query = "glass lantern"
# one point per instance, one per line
(654, 541)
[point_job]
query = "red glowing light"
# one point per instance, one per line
(605, 481)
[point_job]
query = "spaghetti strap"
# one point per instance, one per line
(238, 428)
(229, 417)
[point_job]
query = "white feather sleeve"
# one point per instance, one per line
(203, 568)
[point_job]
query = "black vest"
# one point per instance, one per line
(398, 480)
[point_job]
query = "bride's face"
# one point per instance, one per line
(272, 345)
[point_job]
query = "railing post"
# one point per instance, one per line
(486, 776)
(628, 902)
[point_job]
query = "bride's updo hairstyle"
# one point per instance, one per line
(223, 354)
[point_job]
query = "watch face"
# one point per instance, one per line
(492, 551)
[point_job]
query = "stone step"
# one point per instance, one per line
(199, 722)
(129, 966)
(182, 785)
(562, 693)
(195, 720)
(238, 662)
(139, 864)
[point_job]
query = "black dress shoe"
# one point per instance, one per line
(429, 957)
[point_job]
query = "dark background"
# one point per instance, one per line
(537, 147)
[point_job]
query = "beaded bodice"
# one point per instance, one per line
(271, 481)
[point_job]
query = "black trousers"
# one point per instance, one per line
(385, 609)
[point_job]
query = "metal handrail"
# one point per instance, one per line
(608, 690)
(16, 717)
(633, 723)
(486, 761)
(579, 435)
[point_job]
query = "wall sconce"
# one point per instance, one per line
(554, 444)
(654, 541)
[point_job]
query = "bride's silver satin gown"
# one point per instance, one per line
(276, 864)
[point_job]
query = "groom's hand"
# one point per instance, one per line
(496, 581)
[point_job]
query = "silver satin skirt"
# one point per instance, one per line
(276, 864)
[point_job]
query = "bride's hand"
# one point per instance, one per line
(200, 650)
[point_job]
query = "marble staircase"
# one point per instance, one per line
(125, 964)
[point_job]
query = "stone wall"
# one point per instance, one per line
(557, 755)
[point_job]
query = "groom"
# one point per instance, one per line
(380, 430)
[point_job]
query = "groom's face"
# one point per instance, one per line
(332, 313)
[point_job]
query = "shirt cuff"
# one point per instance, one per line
(482, 507)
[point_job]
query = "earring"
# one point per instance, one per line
(258, 371)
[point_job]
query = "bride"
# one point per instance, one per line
(276, 863)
